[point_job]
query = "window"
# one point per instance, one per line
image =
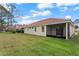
(35, 29)
(42, 28)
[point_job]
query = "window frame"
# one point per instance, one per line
(35, 29)
(42, 28)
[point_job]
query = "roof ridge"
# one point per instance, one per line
(46, 19)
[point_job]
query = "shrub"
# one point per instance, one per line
(13, 30)
(20, 30)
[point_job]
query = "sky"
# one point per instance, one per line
(27, 13)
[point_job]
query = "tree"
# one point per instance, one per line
(76, 21)
(4, 13)
(10, 19)
(2, 24)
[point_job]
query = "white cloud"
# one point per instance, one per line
(68, 17)
(23, 20)
(40, 13)
(44, 5)
(65, 4)
(63, 9)
(76, 8)
(18, 3)
(24, 17)
(45, 13)
(27, 21)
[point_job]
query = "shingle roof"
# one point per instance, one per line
(47, 21)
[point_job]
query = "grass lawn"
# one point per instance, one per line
(21, 44)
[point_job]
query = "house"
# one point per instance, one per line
(19, 26)
(76, 23)
(51, 27)
(77, 27)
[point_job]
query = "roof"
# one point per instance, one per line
(47, 22)
(19, 26)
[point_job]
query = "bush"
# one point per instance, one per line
(20, 30)
(13, 31)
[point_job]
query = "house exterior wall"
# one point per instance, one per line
(64, 31)
(38, 31)
(72, 29)
(50, 30)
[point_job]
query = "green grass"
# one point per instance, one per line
(24, 45)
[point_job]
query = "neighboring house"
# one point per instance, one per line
(76, 23)
(19, 26)
(77, 27)
(51, 27)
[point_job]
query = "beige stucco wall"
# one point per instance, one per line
(72, 30)
(64, 31)
(38, 31)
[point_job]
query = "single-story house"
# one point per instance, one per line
(51, 27)
(19, 26)
(77, 27)
(76, 24)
